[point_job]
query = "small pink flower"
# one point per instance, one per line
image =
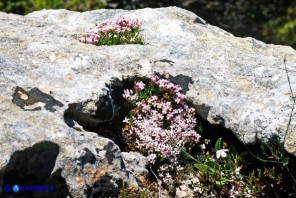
(138, 86)
(154, 78)
(180, 95)
(151, 158)
(135, 111)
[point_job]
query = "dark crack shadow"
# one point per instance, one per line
(30, 100)
(33, 167)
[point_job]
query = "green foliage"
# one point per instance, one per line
(218, 144)
(220, 170)
(27, 6)
(282, 29)
(263, 180)
(272, 21)
(123, 191)
(113, 38)
(239, 175)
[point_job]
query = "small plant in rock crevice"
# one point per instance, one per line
(115, 31)
(267, 171)
(220, 172)
(162, 126)
(161, 123)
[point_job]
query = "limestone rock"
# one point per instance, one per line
(137, 165)
(240, 83)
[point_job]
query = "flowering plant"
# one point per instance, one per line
(221, 171)
(160, 122)
(114, 31)
(217, 167)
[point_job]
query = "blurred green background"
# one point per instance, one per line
(272, 21)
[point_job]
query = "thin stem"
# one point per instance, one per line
(274, 191)
(189, 155)
(293, 106)
(158, 183)
(260, 159)
(291, 174)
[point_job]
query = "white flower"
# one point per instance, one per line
(221, 153)
(237, 170)
(151, 158)
(202, 146)
(126, 120)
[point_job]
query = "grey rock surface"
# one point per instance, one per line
(240, 83)
(136, 164)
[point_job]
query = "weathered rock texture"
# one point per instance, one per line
(240, 83)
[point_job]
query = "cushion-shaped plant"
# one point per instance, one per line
(160, 122)
(115, 31)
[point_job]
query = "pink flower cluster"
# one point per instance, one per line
(138, 86)
(161, 124)
(114, 25)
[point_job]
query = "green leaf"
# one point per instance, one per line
(213, 167)
(222, 181)
(123, 195)
(142, 195)
(218, 144)
(202, 168)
